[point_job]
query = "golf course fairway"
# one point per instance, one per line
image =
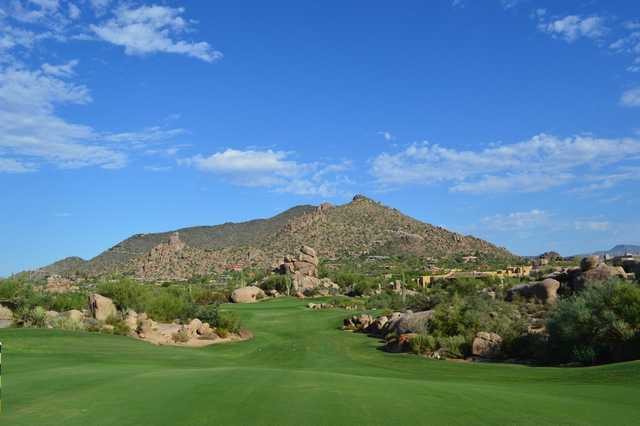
(300, 369)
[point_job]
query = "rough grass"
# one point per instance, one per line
(300, 369)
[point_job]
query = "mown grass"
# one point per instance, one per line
(299, 369)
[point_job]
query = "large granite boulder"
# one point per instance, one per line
(131, 319)
(486, 345)
(101, 307)
(74, 315)
(410, 322)
(250, 294)
(545, 291)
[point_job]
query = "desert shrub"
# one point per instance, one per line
(454, 346)
(67, 301)
(344, 302)
(600, 324)
(280, 283)
(69, 324)
(386, 300)
(126, 294)
(33, 317)
(92, 325)
(222, 332)
(310, 292)
(427, 300)
(422, 344)
(167, 306)
(207, 296)
(229, 321)
(120, 327)
(463, 316)
(181, 336)
(207, 313)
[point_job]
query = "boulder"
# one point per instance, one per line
(378, 325)
(250, 294)
(299, 295)
(74, 315)
(204, 329)
(194, 326)
(589, 262)
(131, 319)
(101, 307)
(486, 345)
(6, 317)
(309, 259)
(146, 326)
(50, 317)
(400, 343)
(603, 272)
(308, 251)
(305, 268)
(545, 291)
(410, 322)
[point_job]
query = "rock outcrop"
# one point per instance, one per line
(303, 269)
(545, 291)
(101, 307)
(486, 345)
(250, 294)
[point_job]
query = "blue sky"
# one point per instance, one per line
(516, 121)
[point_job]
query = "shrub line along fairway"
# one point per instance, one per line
(299, 369)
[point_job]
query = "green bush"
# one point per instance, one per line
(126, 294)
(67, 301)
(422, 344)
(228, 321)
(167, 306)
(120, 327)
(280, 283)
(386, 300)
(600, 324)
(34, 317)
(207, 313)
(69, 324)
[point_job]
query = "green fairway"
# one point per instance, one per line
(299, 369)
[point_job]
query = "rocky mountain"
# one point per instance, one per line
(361, 227)
(618, 250)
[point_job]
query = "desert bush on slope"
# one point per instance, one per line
(600, 324)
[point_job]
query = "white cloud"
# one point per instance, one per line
(10, 165)
(272, 169)
(533, 165)
(29, 128)
(151, 29)
(591, 225)
(388, 136)
(74, 11)
(573, 27)
(149, 134)
(517, 221)
(63, 70)
(631, 98)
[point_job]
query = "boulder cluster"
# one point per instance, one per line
(591, 270)
(303, 269)
(400, 326)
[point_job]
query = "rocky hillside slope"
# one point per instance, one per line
(360, 227)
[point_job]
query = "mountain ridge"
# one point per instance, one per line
(361, 227)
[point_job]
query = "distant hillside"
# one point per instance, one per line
(362, 226)
(619, 250)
